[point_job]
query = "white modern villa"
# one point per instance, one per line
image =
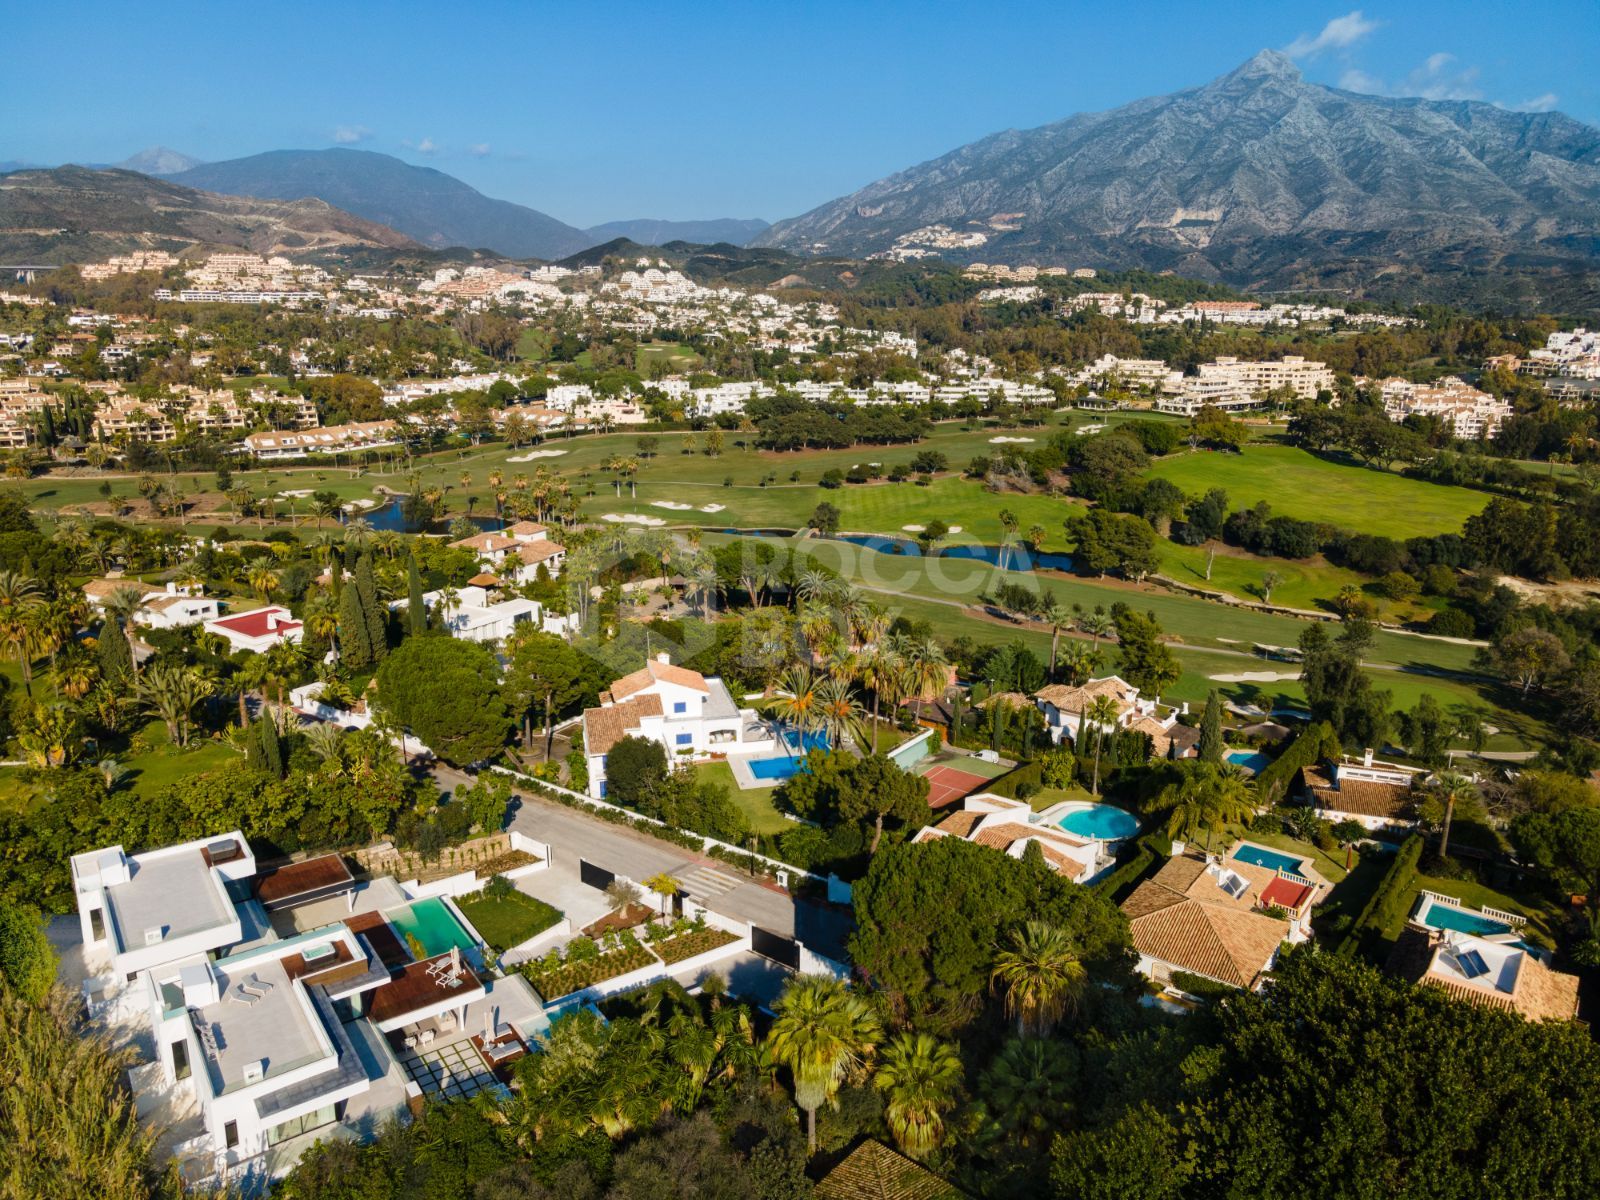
(691, 716)
(1064, 707)
(480, 612)
(165, 607)
(276, 1008)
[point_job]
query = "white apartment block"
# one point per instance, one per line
(326, 439)
(1471, 414)
(1231, 384)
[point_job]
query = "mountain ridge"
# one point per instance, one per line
(646, 231)
(78, 214)
(1257, 178)
(425, 204)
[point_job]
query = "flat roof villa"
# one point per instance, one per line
(691, 716)
(1010, 826)
(1495, 973)
(279, 1007)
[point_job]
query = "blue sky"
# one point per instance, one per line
(604, 110)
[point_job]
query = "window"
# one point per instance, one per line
(602, 789)
(680, 706)
(325, 1115)
(685, 739)
(230, 1134)
(97, 924)
(180, 1060)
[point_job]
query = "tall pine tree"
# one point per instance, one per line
(116, 656)
(355, 641)
(416, 610)
(1211, 743)
(372, 608)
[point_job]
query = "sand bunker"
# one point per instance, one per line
(913, 528)
(995, 441)
(360, 505)
(631, 519)
(672, 504)
(1256, 677)
(296, 494)
(533, 454)
(712, 508)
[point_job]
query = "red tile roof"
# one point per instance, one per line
(254, 624)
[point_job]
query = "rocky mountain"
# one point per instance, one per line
(732, 230)
(434, 208)
(1259, 179)
(75, 214)
(159, 160)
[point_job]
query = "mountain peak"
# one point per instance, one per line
(159, 160)
(1266, 65)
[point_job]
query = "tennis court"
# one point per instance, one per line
(948, 783)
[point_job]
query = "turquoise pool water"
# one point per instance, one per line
(778, 767)
(1251, 760)
(432, 924)
(1104, 821)
(1258, 856)
(1447, 916)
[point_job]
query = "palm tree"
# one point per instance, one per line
(1079, 661)
(20, 604)
(120, 609)
(1205, 799)
(1450, 787)
(1041, 975)
(919, 1076)
(326, 741)
(876, 665)
(1027, 1091)
(839, 714)
(800, 704)
(171, 692)
(1059, 617)
(824, 1033)
(1097, 625)
(263, 581)
(663, 885)
(1102, 714)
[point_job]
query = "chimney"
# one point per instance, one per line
(272, 622)
(664, 659)
(1178, 848)
(172, 587)
(255, 1072)
(199, 985)
(1366, 759)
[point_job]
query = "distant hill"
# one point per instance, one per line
(732, 230)
(1259, 179)
(160, 161)
(433, 208)
(75, 214)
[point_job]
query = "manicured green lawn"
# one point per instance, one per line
(674, 355)
(755, 803)
(1310, 584)
(1298, 484)
(163, 764)
(507, 921)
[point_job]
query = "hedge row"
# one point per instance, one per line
(1315, 743)
(1129, 872)
(1387, 905)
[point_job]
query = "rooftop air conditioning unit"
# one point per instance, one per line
(152, 935)
(255, 1072)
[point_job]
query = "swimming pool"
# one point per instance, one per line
(433, 924)
(1462, 920)
(778, 767)
(1259, 856)
(1251, 760)
(1104, 821)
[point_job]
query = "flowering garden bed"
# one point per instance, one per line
(509, 861)
(554, 976)
(687, 945)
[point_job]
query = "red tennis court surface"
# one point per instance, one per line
(946, 785)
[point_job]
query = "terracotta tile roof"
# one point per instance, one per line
(1363, 797)
(959, 823)
(1071, 699)
(485, 543)
(485, 580)
(533, 553)
(872, 1171)
(658, 672)
(1229, 945)
(104, 589)
(1009, 699)
(1286, 893)
(604, 727)
(524, 529)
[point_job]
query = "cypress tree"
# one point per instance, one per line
(416, 610)
(355, 642)
(372, 608)
(271, 747)
(336, 576)
(1211, 743)
(116, 656)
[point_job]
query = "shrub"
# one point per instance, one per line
(1452, 622)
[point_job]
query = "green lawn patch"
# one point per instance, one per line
(163, 764)
(755, 803)
(1476, 895)
(1300, 484)
(507, 921)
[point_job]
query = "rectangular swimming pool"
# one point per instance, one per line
(433, 924)
(1258, 856)
(1462, 920)
(778, 767)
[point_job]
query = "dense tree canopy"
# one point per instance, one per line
(444, 690)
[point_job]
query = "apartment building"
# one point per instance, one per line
(326, 439)
(123, 418)
(1231, 384)
(1472, 415)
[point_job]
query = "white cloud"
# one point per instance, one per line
(479, 150)
(1338, 34)
(427, 146)
(1544, 103)
(349, 135)
(1437, 78)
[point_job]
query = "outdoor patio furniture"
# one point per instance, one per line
(242, 995)
(411, 1041)
(426, 1037)
(446, 1022)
